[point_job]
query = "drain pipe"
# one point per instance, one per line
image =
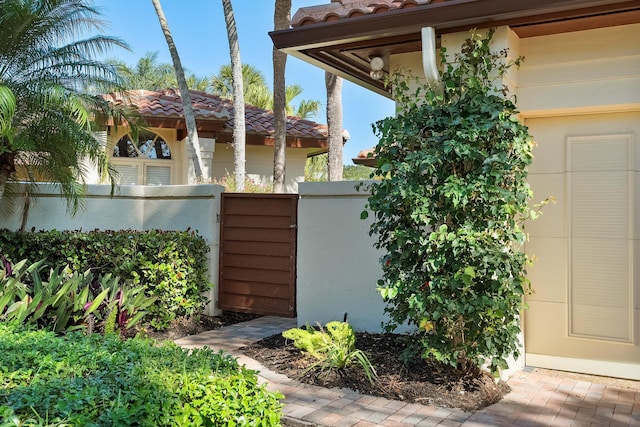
(429, 61)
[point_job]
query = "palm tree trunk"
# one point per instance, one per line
(281, 18)
(193, 142)
(334, 124)
(239, 128)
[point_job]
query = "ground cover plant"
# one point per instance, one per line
(450, 213)
(91, 380)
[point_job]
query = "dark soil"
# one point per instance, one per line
(428, 383)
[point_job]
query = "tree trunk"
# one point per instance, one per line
(334, 124)
(281, 18)
(239, 128)
(193, 142)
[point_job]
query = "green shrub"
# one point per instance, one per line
(171, 265)
(334, 346)
(451, 211)
(93, 380)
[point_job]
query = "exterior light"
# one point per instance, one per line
(376, 64)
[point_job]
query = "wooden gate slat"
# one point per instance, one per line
(257, 234)
(265, 262)
(258, 289)
(256, 248)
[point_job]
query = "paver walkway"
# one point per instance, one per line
(539, 397)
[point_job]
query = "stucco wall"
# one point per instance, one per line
(259, 164)
(337, 265)
(580, 72)
(133, 207)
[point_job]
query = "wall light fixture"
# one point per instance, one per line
(376, 63)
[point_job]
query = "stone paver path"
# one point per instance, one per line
(539, 397)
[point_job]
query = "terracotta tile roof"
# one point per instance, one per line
(168, 104)
(341, 9)
(366, 157)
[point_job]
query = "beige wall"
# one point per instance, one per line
(580, 72)
(259, 165)
(558, 275)
(133, 207)
(583, 86)
(217, 159)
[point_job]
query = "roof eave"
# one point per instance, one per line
(317, 43)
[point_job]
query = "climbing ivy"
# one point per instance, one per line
(449, 215)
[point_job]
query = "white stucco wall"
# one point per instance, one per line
(337, 265)
(136, 207)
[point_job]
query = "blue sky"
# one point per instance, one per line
(199, 32)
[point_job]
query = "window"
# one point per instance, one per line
(147, 161)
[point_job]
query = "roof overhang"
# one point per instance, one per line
(344, 47)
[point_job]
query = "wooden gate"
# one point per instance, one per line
(258, 253)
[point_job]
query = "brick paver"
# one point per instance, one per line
(538, 397)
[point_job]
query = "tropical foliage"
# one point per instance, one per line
(91, 380)
(170, 265)
(63, 301)
(334, 346)
(147, 73)
(450, 213)
(258, 94)
(47, 81)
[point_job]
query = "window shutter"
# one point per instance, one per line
(158, 175)
(128, 174)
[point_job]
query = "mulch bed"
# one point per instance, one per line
(428, 383)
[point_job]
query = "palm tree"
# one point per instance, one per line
(258, 94)
(198, 83)
(222, 83)
(281, 18)
(239, 127)
(334, 122)
(193, 142)
(149, 74)
(46, 109)
(307, 108)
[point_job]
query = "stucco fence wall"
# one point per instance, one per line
(338, 266)
(177, 208)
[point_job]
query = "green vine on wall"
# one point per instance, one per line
(450, 213)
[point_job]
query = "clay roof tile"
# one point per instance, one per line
(168, 104)
(344, 9)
